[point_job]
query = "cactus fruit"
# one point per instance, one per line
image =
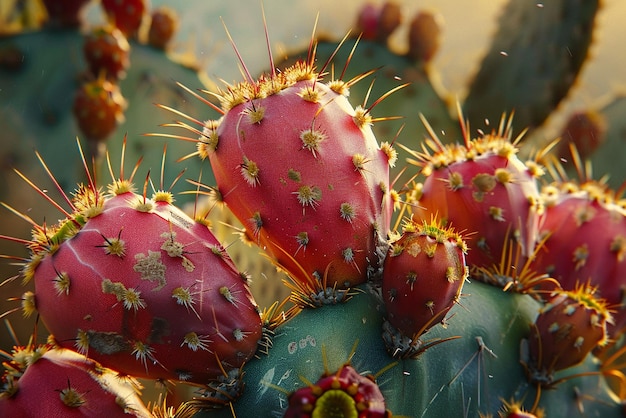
(302, 170)
(460, 377)
(585, 131)
(424, 36)
(482, 189)
(98, 108)
(107, 50)
(585, 223)
(47, 381)
(65, 13)
(571, 324)
(423, 276)
(377, 23)
(494, 349)
(118, 278)
(126, 15)
(163, 26)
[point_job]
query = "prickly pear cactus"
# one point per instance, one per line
(424, 290)
(461, 377)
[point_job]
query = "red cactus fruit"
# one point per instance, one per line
(46, 382)
(65, 12)
(303, 171)
(377, 23)
(107, 50)
(126, 15)
(163, 26)
(584, 226)
(98, 108)
(367, 21)
(569, 326)
(423, 275)
(484, 190)
(345, 393)
(139, 286)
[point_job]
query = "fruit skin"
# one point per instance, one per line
(301, 169)
(585, 224)
(107, 50)
(423, 275)
(98, 108)
(481, 187)
(139, 286)
(571, 324)
(163, 26)
(439, 383)
(53, 382)
(126, 15)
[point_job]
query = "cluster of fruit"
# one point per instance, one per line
(397, 288)
(99, 104)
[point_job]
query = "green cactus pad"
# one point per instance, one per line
(460, 377)
(534, 59)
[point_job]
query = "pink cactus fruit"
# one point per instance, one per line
(344, 393)
(139, 286)
(301, 168)
(423, 277)
(377, 23)
(569, 326)
(52, 382)
(367, 21)
(584, 226)
(484, 190)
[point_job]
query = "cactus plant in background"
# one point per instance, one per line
(380, 322)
